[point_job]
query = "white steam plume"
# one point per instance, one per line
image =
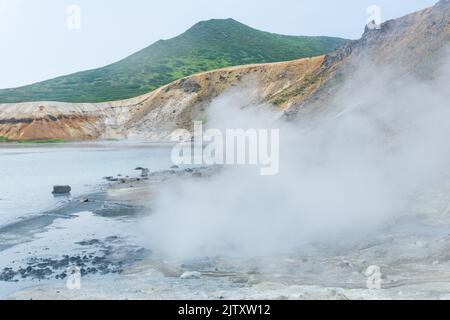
(382, 141)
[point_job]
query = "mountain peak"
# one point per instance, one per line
(218, 25)
(212, 22)
(208, 45)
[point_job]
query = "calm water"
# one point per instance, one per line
(28, 173)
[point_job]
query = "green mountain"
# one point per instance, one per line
(206, 46)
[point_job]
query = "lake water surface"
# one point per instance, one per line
(28, 173)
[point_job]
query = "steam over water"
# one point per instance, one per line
(357, 167)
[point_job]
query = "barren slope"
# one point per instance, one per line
(414, 45)
(301, 89)
(154, 115)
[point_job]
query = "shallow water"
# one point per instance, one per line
(28, 173)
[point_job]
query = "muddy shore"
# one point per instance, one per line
(119, 197)
(412, 255)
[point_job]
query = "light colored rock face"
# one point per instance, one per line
(51, 120)
(176, 105)
(155, 115)
(414, 46)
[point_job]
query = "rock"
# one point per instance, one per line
(174, 167)
(62, 189)
(345, 264)
(191, 275)
(190, 86)
(90, 242)
(111, 179)
(144, 172)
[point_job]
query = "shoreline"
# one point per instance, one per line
(98, 142)
(411, 254)
(118, 198)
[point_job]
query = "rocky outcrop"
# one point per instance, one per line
(414, 45)
(155, 115)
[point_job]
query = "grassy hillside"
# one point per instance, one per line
(206, 46)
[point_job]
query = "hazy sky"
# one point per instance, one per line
(36, 44)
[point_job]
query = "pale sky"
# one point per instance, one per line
(36, 44)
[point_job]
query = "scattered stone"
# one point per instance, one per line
(144, 172)
(89, 243)
(174, 167)
(7, 275)
(345, 264)
(111, 238)
(105, 261)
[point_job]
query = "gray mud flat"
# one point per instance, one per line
(412, 255)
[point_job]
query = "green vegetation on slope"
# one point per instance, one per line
(46, 141)
(7, 140)
(206, 46)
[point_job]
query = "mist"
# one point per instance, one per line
(350, 172)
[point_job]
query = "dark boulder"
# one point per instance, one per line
(190, 86)
(144, 172)
(62, 189)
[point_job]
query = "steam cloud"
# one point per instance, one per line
(355, 168)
